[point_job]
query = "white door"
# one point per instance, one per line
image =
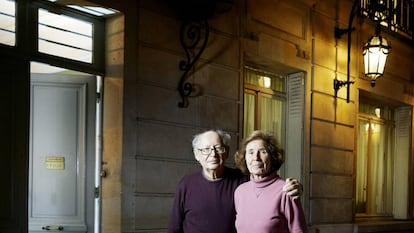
(62, 153)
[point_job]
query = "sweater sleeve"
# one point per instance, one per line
(177, 212)
(295, 216)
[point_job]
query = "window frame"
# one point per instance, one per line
(386, 123)
(262, 92)
(27, 36)
(400, 121)
(291, 140)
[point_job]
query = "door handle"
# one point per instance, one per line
(48, 228)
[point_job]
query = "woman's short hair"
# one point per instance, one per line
(275, 152)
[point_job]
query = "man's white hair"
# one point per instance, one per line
(224, 137)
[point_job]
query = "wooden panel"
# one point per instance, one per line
(58, 160)
(13, 144)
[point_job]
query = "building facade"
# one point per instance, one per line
(355, 178)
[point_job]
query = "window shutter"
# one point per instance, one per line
(401, 162)
(294, 126)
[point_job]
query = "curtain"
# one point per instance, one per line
(362, 167)
(277, 82)
(377, 169)
(389, 174)
(251, 77)
(374, 168)
(272, 117)
(249, 113)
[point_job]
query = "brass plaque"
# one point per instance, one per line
(55, 163)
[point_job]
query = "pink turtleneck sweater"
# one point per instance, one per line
(263, 207)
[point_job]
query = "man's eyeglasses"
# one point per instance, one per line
(208, 150)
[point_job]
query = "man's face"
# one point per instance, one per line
(210, 152)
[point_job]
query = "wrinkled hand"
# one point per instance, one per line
(293, 188)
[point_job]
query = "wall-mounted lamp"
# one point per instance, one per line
(375, 51)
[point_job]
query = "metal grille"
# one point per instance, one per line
(397, 15)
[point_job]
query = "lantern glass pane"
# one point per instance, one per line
(374, 60)
(366, 63)
(382, 58)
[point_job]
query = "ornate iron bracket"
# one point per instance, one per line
(338, 33)
(338, 84)
(193, 38)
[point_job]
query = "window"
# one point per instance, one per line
(382, 161)
(65, 35)
(274, 103)
(8, 22)
(72, 30)
(264, 103)
(61, 35)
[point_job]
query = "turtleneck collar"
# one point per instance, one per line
(266, 181)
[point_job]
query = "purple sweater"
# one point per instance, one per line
(207, 206)
(262, 207)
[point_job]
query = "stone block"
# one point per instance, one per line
(327, 160)
(162, 176)
(218, 113)
(331, 186)
(332, 135)
(330, 211)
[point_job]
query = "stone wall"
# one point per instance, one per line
(280, 36)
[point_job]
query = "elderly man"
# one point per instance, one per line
(204, 200)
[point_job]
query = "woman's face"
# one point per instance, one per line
(257, 159)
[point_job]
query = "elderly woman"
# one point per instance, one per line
(261, 205)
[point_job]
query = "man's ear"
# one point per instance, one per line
(195, 154)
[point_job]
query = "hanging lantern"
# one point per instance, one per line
(375, 54)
